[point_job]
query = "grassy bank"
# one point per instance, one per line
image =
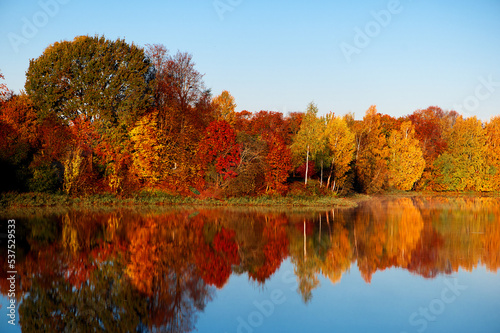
(19, 200)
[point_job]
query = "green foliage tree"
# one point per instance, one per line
(464, 164)
(107, 81)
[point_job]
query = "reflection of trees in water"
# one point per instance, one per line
(157, 271)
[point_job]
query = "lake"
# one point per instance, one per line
(411, 264)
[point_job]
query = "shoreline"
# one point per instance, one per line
(14, 201)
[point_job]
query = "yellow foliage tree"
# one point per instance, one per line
(464, 165)
(341, 143)
(147, 162)
(493, 152)
(406, 161)
(224, 107)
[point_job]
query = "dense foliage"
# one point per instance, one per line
(106, 116)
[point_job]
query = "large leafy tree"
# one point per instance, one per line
(219, 149)
(464, 164)
(430, 125)
(107, 81)
(371, 152)
(406, 162)
(184, 110)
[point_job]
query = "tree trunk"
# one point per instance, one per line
(321, 181)
(307, 165)
(330, 176)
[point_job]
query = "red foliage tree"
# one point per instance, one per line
(301, 170)
(219, 146)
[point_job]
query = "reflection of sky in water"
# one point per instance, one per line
(193, 256)
(352, 305)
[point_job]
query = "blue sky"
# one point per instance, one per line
(280, 55)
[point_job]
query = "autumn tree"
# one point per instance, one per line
(224, 107)
(371, 153)
(406, 162)
(464, 164)
(493, 151)
(279, 162)
(80, 174)
(184, 110)
(219, 149)
(19, 141)
(309, 139)
(150, 153)
(341, 144)
(429, 127)
(107, 81)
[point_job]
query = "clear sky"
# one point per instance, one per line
(280, 55)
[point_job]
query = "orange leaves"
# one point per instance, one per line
(406, 163)
(372, 153)
(279, 162)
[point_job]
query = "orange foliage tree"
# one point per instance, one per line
(279, 162)
(372, 153)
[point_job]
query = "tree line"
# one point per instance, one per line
(103, 116)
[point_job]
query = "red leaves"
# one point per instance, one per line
(301, 170)
(214, 262)
(219, 145)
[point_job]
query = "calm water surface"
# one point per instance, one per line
(390, 265)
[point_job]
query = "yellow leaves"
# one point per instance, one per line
(372, 153)
(341, 143)
(493, 151)
(147, 149)
(72, 169)
(464, 165)
(406, 161)
(225, 106)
